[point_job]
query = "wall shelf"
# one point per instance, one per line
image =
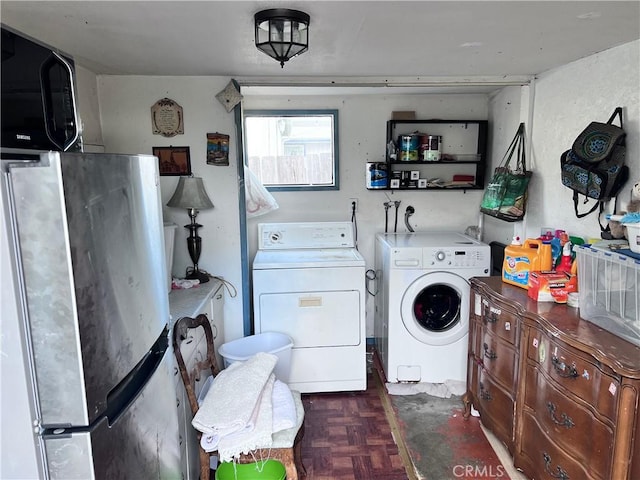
(461, 163)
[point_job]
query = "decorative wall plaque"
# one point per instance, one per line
(217, 149)
(167, 118)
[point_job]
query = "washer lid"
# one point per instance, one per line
(308, 258)
(428, 239)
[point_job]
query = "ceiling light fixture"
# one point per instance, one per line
(282, 33)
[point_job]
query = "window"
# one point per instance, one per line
(293, 149)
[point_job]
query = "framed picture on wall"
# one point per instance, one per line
(173, 160)
(217, 149)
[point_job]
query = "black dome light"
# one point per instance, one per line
(282, 33)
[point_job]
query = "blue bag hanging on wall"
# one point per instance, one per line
(595, 165)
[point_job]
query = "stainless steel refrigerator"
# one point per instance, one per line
(87, 314)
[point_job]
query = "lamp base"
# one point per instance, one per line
(197, 275)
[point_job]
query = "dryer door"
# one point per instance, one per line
(435, 308)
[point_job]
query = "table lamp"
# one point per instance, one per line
(190, 194)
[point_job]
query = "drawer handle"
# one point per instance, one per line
(484, 394)
(490, 354)
(564, 370)
(565, 420)
(491, 318)
(214, 331)
(547, 466)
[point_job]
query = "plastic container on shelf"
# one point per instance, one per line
(608, 284)
(633, 235)
(276, 343)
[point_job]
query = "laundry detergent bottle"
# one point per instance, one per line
(519, 260)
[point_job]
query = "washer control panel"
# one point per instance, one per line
(453, 257)
(441, 258)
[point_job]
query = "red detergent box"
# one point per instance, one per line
(551, 286)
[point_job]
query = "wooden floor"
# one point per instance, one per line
(348, 437)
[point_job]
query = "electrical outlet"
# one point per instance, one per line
(353, 201)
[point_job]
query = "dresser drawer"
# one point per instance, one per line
(500, 320)
(495, 407)
(575, 372)
(475, 337)
(189, 345)
(500, 359)
(543, 458)
(568, 423)
(199, 356)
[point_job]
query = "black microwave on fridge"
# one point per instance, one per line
(38, 96)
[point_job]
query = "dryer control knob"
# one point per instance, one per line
(274, 237)
(440, 256)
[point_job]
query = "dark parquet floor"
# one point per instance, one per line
(348, 437)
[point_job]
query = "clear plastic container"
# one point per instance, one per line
(608, 284)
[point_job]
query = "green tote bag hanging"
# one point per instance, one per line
(506, 195)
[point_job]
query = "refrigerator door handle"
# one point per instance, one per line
(125, 393)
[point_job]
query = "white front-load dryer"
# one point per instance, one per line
(421, 323)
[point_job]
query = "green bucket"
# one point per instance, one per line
(266, 470)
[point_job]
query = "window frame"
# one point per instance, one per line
(298, 113)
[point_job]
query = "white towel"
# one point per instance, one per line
(284, 409)
(230, 403)
(442, 390)
(211, 441)
(231, 446)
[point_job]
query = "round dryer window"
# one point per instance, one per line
(435, 308)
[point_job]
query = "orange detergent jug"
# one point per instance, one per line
(519, 260)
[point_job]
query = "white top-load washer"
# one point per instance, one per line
(421, 321)
(309, 282)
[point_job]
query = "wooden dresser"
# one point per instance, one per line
(561, 393)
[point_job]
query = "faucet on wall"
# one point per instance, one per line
(407, 213)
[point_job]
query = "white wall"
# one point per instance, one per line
(362, 135)
(89, 109)
(567, 99)
(125, 104)
(555, 109)
(507, 108)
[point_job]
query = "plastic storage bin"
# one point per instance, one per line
(279, 344)
(267, 470)
(609, 291)
(633, 233)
